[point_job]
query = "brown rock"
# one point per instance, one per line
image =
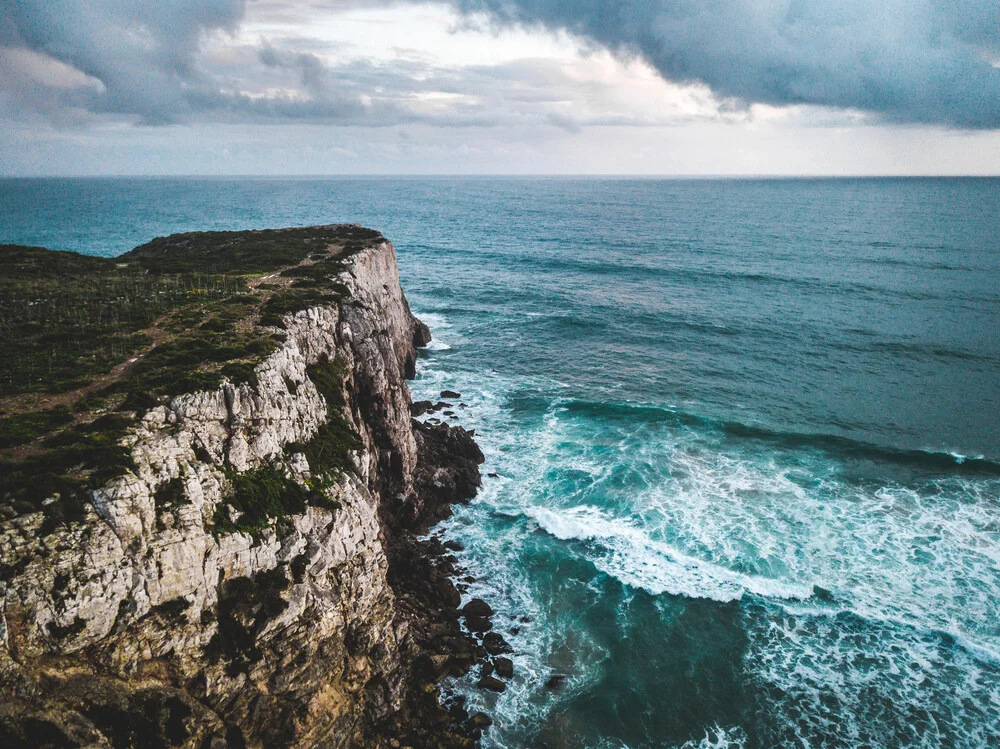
(504, 667)
(477, 607)
(478, 624)
(491, 683)
(495, 644)
(481, 720)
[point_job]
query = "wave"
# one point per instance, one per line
(942, 461)
(627, 553)
(719, 737)
(433, 320)
(823, 604)
(908, 263)
(912, 350)
(630, 555)
(635, 267)
(436, 345)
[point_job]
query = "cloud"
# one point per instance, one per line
(910, 61)
(142, 53)
(187, 61)
(182, 61)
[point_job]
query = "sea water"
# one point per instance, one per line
(746, 436)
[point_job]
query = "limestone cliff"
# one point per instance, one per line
(159, 615)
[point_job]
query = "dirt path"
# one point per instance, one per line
(30, 402)
(27, 402)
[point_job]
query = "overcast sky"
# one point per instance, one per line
(499, 86)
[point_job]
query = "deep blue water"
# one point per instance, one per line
(746, 435)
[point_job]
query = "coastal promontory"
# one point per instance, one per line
(213, 500)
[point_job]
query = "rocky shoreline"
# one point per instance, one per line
(426, 578)
(255, 571)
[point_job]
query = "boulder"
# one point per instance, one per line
(481, 720)
(504, 667)
(495, 644)
(492, 683)
(421, 407)
(478, 624)
(477, 607)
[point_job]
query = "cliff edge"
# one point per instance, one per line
(211, 488)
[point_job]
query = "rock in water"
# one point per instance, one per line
(481, 720)
(504, 667)
(477, 607)
(495, 644)
(555, 681)
(491, 683)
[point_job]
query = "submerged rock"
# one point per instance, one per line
(491, 683)
(555, 682)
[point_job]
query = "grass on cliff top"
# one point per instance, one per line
(87, 344)
(245, 252)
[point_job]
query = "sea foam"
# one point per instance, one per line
(626, 552)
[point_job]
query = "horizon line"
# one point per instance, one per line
(503, 175)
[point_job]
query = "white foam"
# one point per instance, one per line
(432, 320)
(718, 737)
(630, 555)
(832, 677)
(672, 509)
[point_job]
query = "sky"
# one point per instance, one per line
(667, 87)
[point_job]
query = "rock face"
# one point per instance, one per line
(144, 625)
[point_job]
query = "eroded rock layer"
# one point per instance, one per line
(163, 617)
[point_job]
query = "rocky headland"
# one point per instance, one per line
(214, 500)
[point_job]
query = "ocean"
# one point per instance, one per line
(746, 436)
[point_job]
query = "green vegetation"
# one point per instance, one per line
(327, 452)
(261, 497)
(61, 331)
(20, 428)
(167, 499)
(69, 462)
(246, 252)
(88, 344)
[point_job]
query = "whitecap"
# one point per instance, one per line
(718, 737)
(629, 554)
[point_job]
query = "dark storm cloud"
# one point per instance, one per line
(142, 59)
(142, 52)
(922, 61)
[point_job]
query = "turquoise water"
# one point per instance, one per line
(746, 436)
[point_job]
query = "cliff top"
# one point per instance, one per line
(87, 344)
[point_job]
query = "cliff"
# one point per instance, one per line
(208, 535)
